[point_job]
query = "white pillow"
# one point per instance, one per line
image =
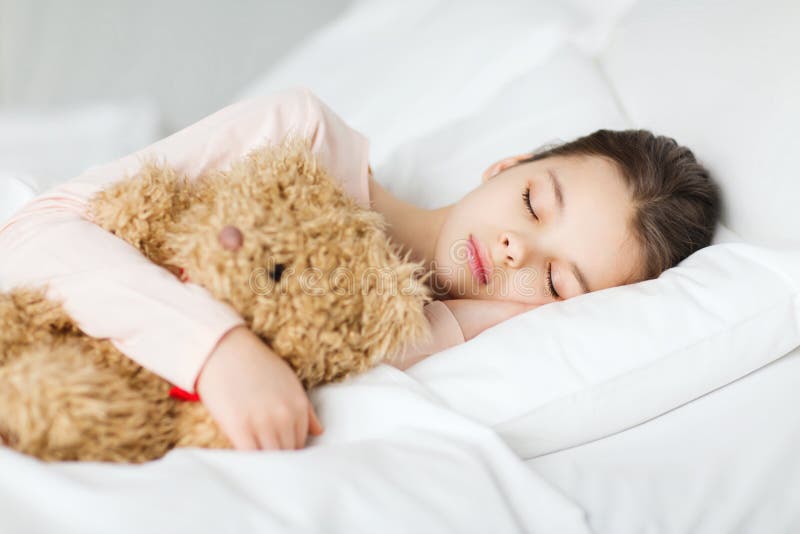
(603, 16)
(570, 372)
(51, 146)
(562, 98)
(397, 70)
(724, 78)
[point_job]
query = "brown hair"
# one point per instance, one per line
(676, 203)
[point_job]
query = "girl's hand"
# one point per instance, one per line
(475, 316)
(254, 396)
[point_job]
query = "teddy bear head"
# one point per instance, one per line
(310, 271)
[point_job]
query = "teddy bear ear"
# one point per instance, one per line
(231, 238)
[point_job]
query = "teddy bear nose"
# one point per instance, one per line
(231, 238)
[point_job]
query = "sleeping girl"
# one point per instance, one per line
(608, 209)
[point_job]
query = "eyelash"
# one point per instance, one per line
(526, 199)
(550, 286)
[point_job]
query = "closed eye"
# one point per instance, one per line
(526, 199)
(550, 287)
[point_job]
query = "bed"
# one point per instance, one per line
(677, 414)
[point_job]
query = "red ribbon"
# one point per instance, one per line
(175, 392)
(182, 394)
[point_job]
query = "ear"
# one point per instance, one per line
(499, 166)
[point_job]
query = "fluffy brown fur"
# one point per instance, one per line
(342, 301)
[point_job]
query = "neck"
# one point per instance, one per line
(415, 229)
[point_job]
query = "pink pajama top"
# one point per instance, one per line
(113, 291)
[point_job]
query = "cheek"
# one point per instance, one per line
(489, 201)
(450, 252)
(449, 237)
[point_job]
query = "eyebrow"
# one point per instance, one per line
(559, 194)
(556, 189)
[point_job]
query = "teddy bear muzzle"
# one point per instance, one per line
(231, 238)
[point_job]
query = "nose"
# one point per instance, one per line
(514, 249)
(231, 238)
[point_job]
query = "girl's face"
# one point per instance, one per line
(537, 232)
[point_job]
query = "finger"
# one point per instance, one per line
(301, 430)
(243, 441)
(314, 426)
(267, 441)
(286, 436)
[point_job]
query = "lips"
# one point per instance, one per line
(478, 262)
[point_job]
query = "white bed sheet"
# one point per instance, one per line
(726, 462)
(392, 459)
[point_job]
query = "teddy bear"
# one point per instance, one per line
(311, 272)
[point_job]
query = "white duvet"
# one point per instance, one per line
(392, 459)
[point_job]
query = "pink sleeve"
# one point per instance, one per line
(112, 290)
(447, 331)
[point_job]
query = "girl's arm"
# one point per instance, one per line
(455, 321)
(112, 291)
(475, 316)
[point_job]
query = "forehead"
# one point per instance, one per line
(589, 170)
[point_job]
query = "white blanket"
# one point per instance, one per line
(392, 459)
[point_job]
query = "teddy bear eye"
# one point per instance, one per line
(277, 272)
